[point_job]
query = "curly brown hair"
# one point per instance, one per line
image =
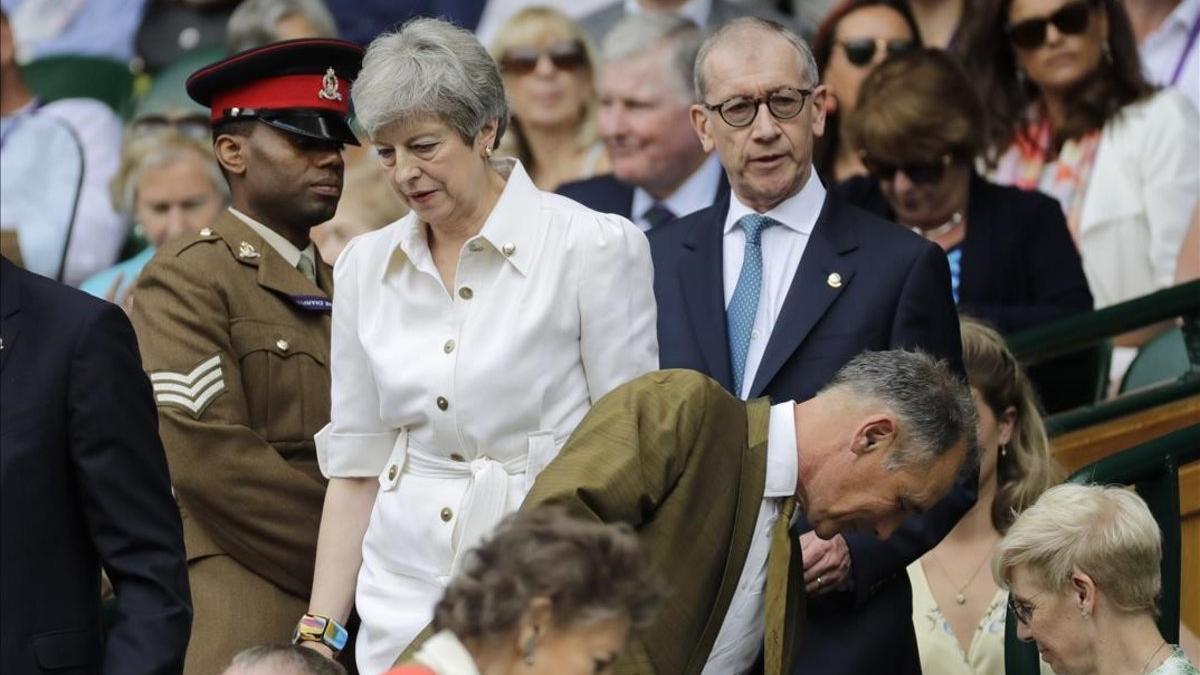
(588, 570)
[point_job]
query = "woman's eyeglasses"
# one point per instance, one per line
(566, 56)
(740, 111)
(861, 51)
(195, 125)
(1022, 609)
(1070, 19)
(920, 173)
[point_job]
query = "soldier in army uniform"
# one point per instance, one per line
(234, 329)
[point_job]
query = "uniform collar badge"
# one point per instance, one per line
(247, 251)
(329, 87)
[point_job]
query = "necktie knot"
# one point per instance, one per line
(658, 214)
(753, 224)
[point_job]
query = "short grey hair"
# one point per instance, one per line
(1104, 531)
(297, 659)
(430, 68)
(933, 403)
(753, 24)
(256, 22)
(637, 34)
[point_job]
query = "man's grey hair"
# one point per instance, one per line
(430, 68)
(637, 34)
(741, 28)
(282, 659)
(932, 402)
(256, 22)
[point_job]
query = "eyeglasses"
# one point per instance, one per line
(1022, 609)
(923, 174)
(740, 111)
(1070, 19)
(861, 51)
(567, 56)
(195, 125)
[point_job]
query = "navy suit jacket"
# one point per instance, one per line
(894, 292)
(608, 194)
(83, 484)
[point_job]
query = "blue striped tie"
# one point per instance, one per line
(743, 307)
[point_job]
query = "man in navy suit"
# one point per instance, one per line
(83, 485)
(778, 285)
(660, 171)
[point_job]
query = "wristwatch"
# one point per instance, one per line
(319, 628)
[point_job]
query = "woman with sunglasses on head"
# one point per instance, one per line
(1083, 571)
(959, 612)
(918, 129)
(549, 69)
(1077, 120)
(855, 37)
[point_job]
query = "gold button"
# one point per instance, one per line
(282, 344)
(442, 402)
(447, 514)
(466, 293)
(508, 249)
(448, 347)
(392, 472)
(457, 457)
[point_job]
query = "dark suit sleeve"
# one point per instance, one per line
(125, 493)
(1053, 271)
(925, 319)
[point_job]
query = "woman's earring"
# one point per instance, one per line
(487, 152)
(1004, 450)
(1106, 51)
(527, 651)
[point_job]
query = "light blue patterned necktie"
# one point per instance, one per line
(743, 307)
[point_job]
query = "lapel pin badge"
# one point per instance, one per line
(247, 251)
(834, 280)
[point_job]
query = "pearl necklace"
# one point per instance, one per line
(960, 595)
(955, 220)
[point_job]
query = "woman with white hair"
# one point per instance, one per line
(1082, 569)
(469, 338)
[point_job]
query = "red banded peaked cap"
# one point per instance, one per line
(309, 77)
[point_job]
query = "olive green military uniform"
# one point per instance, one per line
(236, 342)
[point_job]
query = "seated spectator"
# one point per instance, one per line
(707, 15)
(260, 22)
(918, 128)
(1082, 566)
(660, 169)
(169, 185)
(1081, 124)
(547, 593)
(1166, 32)
(56, 160)
(958, 613)
(854, 38)
(549, 70)
(283, 659)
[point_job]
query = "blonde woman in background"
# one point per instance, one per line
(549, 69)
(959, 612)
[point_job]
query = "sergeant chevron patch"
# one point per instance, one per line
(192, 391)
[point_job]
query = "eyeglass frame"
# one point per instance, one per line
(1023, 609)
(578, 56)
(894, 47)
(919, 178)
(758, 101)
(194, 125)
(1047, 20)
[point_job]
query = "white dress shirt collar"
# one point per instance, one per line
(782, 459)
(696, 10)
(277, 241)
(798, 212)
(507, 228)
(697, 192)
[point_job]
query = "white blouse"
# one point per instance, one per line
(465, 394)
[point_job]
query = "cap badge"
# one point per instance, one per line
(247, 251)
(329, 87)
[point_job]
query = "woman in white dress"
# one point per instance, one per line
(469, 338)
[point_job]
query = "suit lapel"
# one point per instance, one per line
(701, 280)
(10, 308)
(813, 290)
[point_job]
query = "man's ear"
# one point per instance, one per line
(819, 103)
(700, 123)
(876, 433)
(231, 151)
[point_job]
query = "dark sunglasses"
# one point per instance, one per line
(740, 111)
(567, 56)
(1070, 19)
(923, 174)
(195, 125)
(861, 51)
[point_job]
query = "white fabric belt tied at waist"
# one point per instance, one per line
(486, 499)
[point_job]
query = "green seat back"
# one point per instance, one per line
(167, 93)
(1163, 358)
(58, 77)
